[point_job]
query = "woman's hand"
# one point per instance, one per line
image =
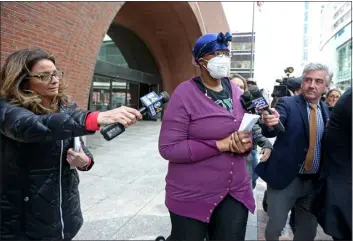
(224, 144)
(77, 159)
(265, 154)
(123, 115)
(240, 142)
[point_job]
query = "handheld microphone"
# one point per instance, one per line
(253, 101)
(153, 104)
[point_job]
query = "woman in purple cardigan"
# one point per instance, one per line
(208, 189)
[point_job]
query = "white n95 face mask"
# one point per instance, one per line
(219, 67)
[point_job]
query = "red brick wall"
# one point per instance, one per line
(71, 31)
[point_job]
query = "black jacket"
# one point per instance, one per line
(39, 191)
(333, 203)
(259, 139)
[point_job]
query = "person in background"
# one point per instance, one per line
(333, 203)
(293, 88)
(250, 82)
(292, 169)
(38, 123)
(208, 189)
(258, 138)
(331, 98)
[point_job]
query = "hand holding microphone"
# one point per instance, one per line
(118, 119)
(253, 101)
(124, 115)
(270, 119)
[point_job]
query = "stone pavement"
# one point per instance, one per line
(122, 196)
(262, 218)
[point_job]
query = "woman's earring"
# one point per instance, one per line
(28, 91)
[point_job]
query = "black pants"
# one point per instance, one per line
(228, 222)
(339, 239)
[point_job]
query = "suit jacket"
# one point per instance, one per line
(333, 203)
(291, 146)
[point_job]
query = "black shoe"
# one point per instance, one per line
(160, 238)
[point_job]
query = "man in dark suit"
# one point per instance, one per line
(292, 168)
(333, 205)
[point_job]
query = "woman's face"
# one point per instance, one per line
(332, 98)
(239, 83)
(44, 79)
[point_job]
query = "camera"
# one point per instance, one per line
(286, 84)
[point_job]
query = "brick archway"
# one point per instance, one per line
(73, 33)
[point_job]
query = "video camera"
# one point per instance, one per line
(286, 83)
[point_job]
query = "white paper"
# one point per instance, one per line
(248, 122)
(77, 146)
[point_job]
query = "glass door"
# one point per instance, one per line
(133, 99)
(118, 93)
(100, 93)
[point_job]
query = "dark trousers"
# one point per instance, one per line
(254, 162)
(228, 222)
(340, 239)
(300, 194)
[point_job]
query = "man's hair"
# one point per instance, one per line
(318, 66)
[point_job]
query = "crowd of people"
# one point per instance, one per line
(209, 190)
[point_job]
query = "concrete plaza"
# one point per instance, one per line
(123, 195)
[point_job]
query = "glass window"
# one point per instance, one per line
(236, 46)
(305, 28)
(306, 16)
(305, 55)
(241, 46)
(344, 65)
(306, 5)
(118, 93)
(103, 89)
(111, 54)
(305, 42)
(240, 64)
(342, 19)
(100, 93)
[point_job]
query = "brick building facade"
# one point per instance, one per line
(73, 32)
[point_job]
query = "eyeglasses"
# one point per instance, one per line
(221, 54)
(48, 77)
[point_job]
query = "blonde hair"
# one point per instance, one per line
(245, 83)
(14, 82)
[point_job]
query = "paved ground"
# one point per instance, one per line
(123, 195)
(262, 218)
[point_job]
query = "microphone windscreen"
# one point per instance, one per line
(247, 96)
(255, 92)
(165, 96)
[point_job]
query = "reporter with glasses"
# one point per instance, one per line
(38, 123)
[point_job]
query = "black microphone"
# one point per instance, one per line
(253, 101)
(153, 104)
